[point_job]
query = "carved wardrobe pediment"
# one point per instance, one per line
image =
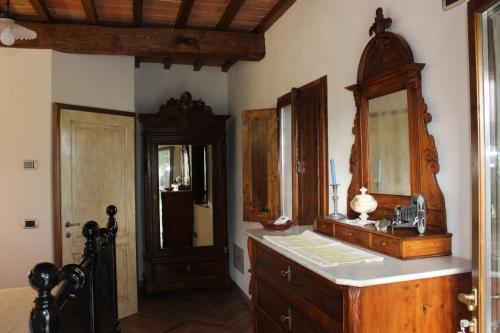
(183, 114)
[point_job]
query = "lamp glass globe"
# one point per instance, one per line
(7, 37)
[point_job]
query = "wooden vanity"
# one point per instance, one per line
(291, 294)
(404, 243)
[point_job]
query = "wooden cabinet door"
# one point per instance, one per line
(260, 165)
(309, 106)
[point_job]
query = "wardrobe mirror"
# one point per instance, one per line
(286, 153)
(185, 196)
(389, 145)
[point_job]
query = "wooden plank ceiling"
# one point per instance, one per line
(194, 32)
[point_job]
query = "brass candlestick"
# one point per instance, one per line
(336, 215)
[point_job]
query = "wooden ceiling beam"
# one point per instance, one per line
(230, 13)
(146, 42)
(227, 65)
(41, 10)
(138, 10)
(274, 14)
(90, 11)
(183, 14)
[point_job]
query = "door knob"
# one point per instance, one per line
(469, 299)
(69, 224)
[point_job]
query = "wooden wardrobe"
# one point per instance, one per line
(185, 196)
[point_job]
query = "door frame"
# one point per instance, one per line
(56, 168)
(475, 9)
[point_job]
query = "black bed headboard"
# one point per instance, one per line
(86, 298)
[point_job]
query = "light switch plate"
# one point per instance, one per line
(30, 224)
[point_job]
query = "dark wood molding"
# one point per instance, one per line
(227, 65)
(56, 168)
(138, 12)
(278, 10)
(56, 184)
(167, 63)
(198, 64)
(230, 13)
(90, 11)
(41, 10)
(154, 42)
(183, 14)
(387, 66)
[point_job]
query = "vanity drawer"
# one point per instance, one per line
(352, 235)
(282, 273)
(386, 245)
(282, 313)
(323, 227)
(265, 325)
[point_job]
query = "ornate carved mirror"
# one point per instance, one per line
(393, 154)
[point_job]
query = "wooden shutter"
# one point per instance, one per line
(309, 104)
(260, 165)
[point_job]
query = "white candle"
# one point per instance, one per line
(332, 170)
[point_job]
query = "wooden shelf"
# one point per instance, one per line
(398, 243)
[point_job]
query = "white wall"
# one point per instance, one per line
(321, 37)
(25, 95)
(94, 80)
(154, 86)
(31, 81)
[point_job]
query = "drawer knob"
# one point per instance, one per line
(349, 234)
(288, 318)
(287, 274)
(383, 243)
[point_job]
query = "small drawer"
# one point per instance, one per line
(186, 270)
(322, 294)
(351, 235)
(386, 245)
(324, 227)
(282, 313)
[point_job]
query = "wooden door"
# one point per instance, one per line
(484, 54)
(97, 159)
(260, 165)
(309, 107)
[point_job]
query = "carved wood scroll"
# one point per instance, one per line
(387, 66)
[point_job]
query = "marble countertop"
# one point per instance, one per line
(366, 274)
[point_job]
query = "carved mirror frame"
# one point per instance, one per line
(387, 66)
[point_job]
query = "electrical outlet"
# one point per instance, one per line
(238, 261)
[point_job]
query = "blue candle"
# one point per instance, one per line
(379, 176)
(332, 170)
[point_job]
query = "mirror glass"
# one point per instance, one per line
(185, 195)
(286, 191)
(389, 144)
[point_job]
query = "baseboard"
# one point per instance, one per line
(242, 293)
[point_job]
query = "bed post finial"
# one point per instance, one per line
(44, 315)
(112, 225)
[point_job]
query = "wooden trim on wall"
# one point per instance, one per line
(475, 9)
(56, 167)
